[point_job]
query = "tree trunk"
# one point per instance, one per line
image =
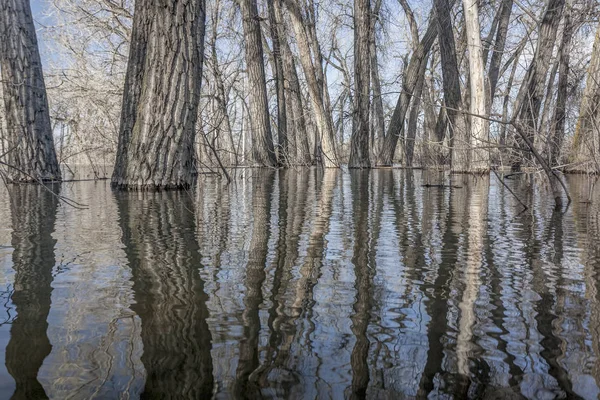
(451, 85)
(498, 51)
(411, 129)
(409, 82)
(296, 121)
(479, 135)
(160, 100)
(587, 135)
(323, 121)
(359, 150)
(531, 93)
(283, 150)
(378, 129)
(263, 151)
(557, 129)
(29, 131)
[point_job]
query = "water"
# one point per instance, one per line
(299, 284)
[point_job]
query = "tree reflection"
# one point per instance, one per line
(160, 240)
(33, 210)
(262, 188)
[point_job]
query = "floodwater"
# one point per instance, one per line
(301, 284)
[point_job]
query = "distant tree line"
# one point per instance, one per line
(166, 88)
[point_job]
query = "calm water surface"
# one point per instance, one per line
(300, 284)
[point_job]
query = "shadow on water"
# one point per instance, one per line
(304, 284)
(33, 210)
(159, 235)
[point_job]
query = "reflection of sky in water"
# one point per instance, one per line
(301, 285)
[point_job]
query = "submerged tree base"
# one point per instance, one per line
(149, 187)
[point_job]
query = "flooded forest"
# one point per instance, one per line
(298, 199)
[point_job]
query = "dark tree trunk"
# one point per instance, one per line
(33, 212)
(160, 100)
(378, 129)
(413, 117)
(498, 50)
(263, 150)
(531, 93)
(29, 131)
(451, 83)
(359, 150)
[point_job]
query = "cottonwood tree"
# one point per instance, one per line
(160, 100)
(359, 151)
(30, 143)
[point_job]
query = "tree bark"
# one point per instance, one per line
(498, 51)
(451, 85)
(378, 128)
(479, 135)
(29, 131)
(160, 100)
(263, 150)
(359, 150)
(317, 98)
(531, 93)
(586, 142)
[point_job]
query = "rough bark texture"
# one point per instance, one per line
(315, 89)
(160, 100)
(359, 150)
(29, 131)
(586, 143)
(413, 117)
(531, 93)
(479, 135)
(451, 84)
(263, 151)
(378, 128)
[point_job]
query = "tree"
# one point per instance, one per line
(359, 151)
(531, 93)
(160, 99)
(262, 140)
(31, 153)
(479, 135)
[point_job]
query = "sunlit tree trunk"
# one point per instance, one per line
(479, 135)
(160, 100)
(586, 143)
(359, 150)
(29, 131)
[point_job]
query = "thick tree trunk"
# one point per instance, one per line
(263, 150)
(160, 100)
(451, 84)
(311, 71)
(586, 143)
(479, 135)
(29, 131)
(557, 130)
(359, 150)
(413, 116)
(283, 149)
(531, 93)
